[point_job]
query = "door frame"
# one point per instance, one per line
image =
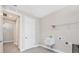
(19, 18)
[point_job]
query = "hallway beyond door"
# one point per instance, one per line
(10, 48)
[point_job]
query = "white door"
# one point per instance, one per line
(1, 32)
(28, 28)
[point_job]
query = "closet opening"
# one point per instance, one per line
(11, 32)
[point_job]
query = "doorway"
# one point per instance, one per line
(10, 33)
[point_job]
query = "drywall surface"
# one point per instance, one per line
(37, 30)
(67, 27)
(8, 31)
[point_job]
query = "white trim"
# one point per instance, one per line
(58, 51)
(30, 48)
(7, 41)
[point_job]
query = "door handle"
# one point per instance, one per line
(25, 37)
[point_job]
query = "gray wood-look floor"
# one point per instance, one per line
(10, 48)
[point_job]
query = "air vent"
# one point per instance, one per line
(14, 5)
(4, 14)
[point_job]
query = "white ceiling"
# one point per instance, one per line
(40, 10)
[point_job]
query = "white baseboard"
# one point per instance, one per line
(58, 51)
(29, 48)
(7, 41)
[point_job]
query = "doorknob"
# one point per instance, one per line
(25, 37)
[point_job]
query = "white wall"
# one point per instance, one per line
(37, 31)
(8, 31)
(68, 33)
